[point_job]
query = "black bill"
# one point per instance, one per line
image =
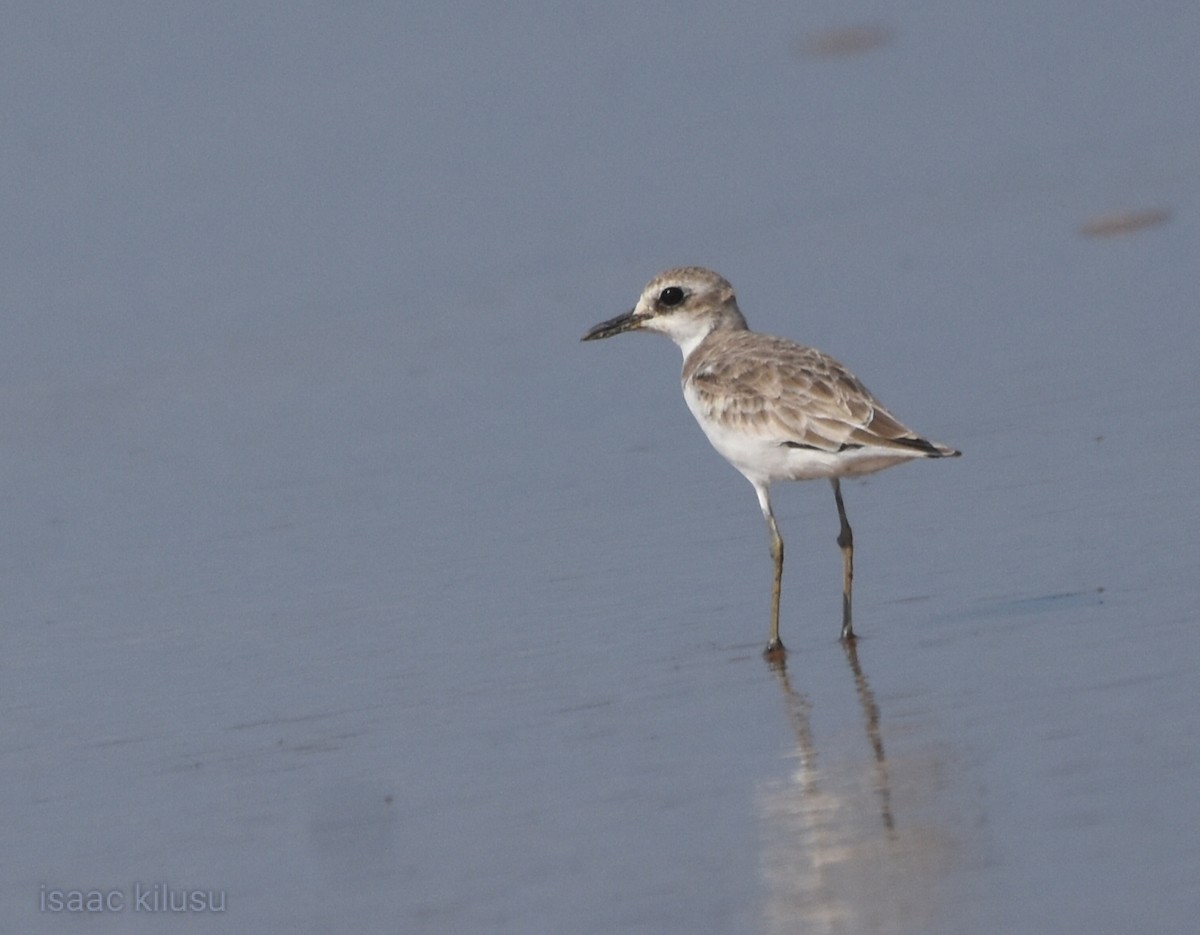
(606, 329)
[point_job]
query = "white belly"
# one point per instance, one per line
(764, 458)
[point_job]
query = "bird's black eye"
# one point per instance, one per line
(670, 297)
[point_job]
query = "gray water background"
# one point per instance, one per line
(343, 581)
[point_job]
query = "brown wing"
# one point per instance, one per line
(794, 395)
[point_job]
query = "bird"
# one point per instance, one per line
(774, 409)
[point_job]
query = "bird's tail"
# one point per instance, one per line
(927, 448)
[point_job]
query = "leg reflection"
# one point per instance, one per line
(870, 710)
(834, 858)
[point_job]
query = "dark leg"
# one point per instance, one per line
(774, 643)
(845, 540)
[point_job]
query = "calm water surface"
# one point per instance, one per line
(344, 583)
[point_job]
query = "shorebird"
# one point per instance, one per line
(774, 409)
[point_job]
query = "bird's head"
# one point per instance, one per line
(685, 304)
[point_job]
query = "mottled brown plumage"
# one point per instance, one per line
(787, 393)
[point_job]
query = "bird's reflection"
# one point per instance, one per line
(870, 710)
(836, 857)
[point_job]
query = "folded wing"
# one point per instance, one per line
(798, 397)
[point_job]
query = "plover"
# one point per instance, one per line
(775, 409)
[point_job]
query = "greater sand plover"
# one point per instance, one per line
(775, 410)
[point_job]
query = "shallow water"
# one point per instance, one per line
(345, 584)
